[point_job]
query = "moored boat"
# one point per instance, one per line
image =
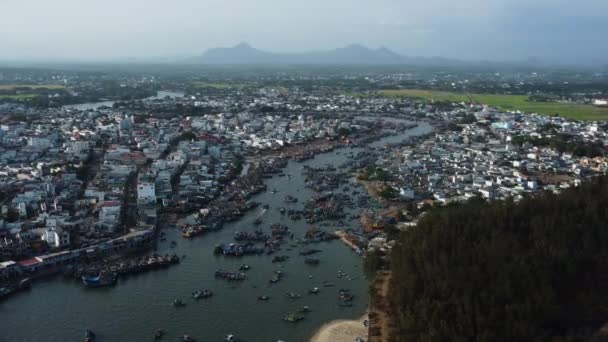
(159, 334)
(89, 336)
(99, 280)
(292, 318)
(230, 338)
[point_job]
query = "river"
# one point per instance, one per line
(94, 105)
(59, 310)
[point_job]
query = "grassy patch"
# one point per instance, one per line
(31, 86)
(427, 95)
(203, 84)
(19, 97)
(509, 102)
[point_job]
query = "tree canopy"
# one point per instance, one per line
(535, 270)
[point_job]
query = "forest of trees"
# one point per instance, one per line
(535, 270)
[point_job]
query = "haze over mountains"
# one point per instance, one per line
(244, 53)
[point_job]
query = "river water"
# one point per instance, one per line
(57, 309)
(94, 105)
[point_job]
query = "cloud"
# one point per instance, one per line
(471, 29)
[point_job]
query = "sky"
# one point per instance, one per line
(557, 31)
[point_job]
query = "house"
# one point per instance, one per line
(146, 193)
(56, 237)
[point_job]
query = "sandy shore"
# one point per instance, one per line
(341, 331)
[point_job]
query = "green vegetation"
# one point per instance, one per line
(427, 95)
(30, 86)
(374, 173)
(19, 96)
(508, 102)
(504, 271)
(19, 92)
(216, 85)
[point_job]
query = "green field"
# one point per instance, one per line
(32, 86)
(508, 102)
(203, 84)
(18, 97)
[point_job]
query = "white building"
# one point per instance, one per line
(109, 215)
(56, 237)
(146, 193)
(600, 102)
(39, 142)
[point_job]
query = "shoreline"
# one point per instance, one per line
(341, 330)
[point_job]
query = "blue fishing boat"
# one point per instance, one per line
(99, 280)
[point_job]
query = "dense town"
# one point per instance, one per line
(81, 184)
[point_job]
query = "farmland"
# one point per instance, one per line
(508, 102)
(30, 86)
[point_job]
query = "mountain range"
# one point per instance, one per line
(244, 53)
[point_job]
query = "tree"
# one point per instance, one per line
(505, 271)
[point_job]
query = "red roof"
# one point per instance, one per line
(28, 262)
(111, 203)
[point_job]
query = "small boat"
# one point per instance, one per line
(266, 206)
(305, 308)
(282, 210)
(263, 298)
(230, 338)
(293, 295)
(89, 336)
(99, 280)
(187, 338)
(290, 199)
(159, 334)
(292, 318)
(244, 267)
(257, 222)
(178, 303)
(311, 261)
(314, 290)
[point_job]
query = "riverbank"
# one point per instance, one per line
(341, 331)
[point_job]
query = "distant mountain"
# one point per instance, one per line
(244, 53)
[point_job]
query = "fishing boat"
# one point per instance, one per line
(99, 280)
(89, 336)
(293, 295)
(292, 318)
(290, 199)
(178, 303)
(159, 334)
(304, 309)
(311, 261)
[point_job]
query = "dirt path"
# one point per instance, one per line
(380, 324)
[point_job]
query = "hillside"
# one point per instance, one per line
(356, 54)
(505, 271)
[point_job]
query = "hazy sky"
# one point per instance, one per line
(553, 30)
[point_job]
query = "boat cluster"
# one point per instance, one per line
(345, 297)
(190, 231)
(230, 276)
(256, 236)
(238, 249)
(317, 235)
(106, 269)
